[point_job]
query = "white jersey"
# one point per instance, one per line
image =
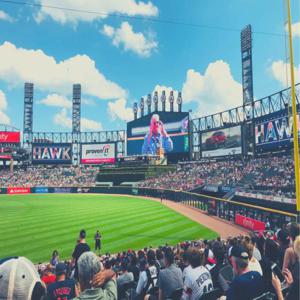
(197, 282)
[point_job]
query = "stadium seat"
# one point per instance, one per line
(211, 295)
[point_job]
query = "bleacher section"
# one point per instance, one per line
(129, 175)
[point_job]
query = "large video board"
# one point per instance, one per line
(51, 153)
(98, 153)
(166, 130)
(226, 141)
(274, 131)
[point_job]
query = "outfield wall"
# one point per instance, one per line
(222, 208)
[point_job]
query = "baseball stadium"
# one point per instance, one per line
(170, 203)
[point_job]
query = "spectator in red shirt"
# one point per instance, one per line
(48, 276)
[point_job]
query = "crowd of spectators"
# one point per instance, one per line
(57, 176)
(239, 268)
(267, 175)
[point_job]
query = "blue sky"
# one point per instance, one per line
(118, 60)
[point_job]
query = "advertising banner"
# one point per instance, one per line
(168, 131)
(18, 190)
(62, 190)
(83, 190)
(98, 153)
(9, 137)
(52, 153)
(226, 141)
(41, 190)
(249, 223)
(274, 131)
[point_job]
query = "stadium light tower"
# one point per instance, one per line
(171, 100)
(28, 107)
(76, 108)
(149, 102)
(247, 73)
(179, 101)
(135, 110)
(142, 106)
(163, 100)
(155, 100)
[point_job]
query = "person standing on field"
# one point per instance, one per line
(98, 241)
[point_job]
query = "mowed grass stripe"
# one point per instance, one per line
(35, 225)
(53, 220)
(40, 234)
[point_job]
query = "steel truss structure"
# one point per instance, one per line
(241, 114)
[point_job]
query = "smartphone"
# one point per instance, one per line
(277, 272)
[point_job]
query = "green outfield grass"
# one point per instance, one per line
(35, 225)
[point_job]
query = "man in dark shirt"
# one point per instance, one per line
(63, 288)
(80, 248)
(247, 284)
(97, 241)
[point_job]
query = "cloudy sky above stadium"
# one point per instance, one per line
(120, 50)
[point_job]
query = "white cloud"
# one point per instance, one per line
(118, 110)
(3, 102)
(214, 91)
(90, 125)
(4, 119)
(62, 119)
(5, 17)
(137, 42)
(19, 65)
(88, 101)
(103, 7)
(281, 72)
(56, 100)
(295, 29)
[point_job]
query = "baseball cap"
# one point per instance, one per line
(239, 252)
(19, 279)
(60, 269)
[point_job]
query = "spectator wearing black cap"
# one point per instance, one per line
(63, 288)
(247, 284)
(80, 248)
(170, 279)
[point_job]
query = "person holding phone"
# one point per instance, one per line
(156, 138)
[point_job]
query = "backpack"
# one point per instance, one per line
(151, 288)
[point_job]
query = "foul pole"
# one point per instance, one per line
(294, 111)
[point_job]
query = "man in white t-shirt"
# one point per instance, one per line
(197, 279)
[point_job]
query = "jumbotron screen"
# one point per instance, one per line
(226, 141)
(166, 130)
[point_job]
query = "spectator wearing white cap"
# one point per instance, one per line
(19, 280)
